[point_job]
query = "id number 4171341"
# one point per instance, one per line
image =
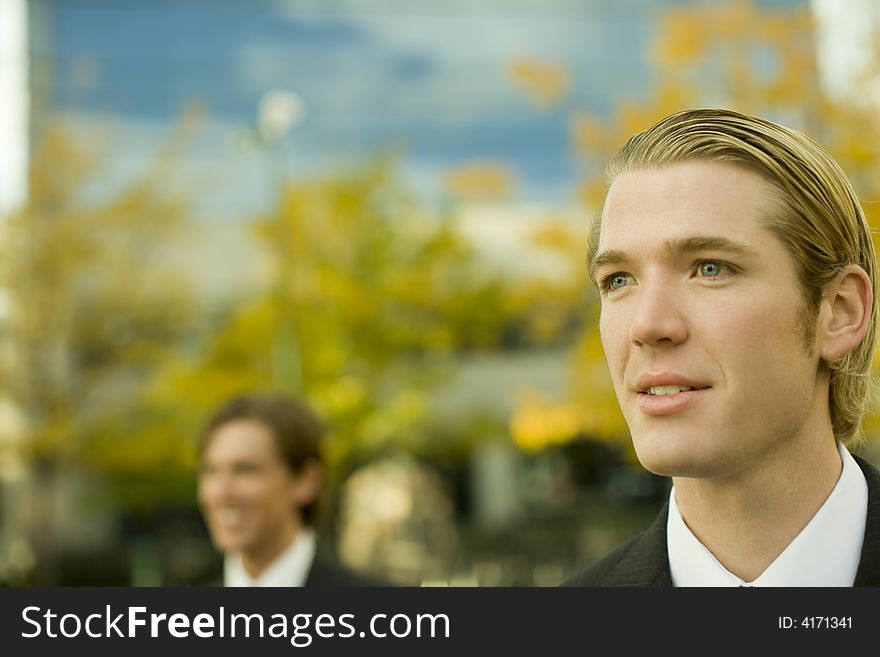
(815, 622)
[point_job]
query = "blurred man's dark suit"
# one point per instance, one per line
(324, 572)
(643, 560)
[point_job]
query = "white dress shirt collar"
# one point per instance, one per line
(291, 568)
(825, 553)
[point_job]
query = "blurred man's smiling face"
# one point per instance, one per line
(705, 326)
(246, 492)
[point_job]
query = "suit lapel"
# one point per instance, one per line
(318, 574)
(646, 563)
(868, 573)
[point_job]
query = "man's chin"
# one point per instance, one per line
(671, 465)
(672, 458)
(663, 468)
(227, 544)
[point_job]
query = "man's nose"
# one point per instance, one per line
(217, 488)
(658, 318)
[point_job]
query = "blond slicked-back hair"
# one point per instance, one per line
(815, 212)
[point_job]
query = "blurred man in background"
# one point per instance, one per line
(738, 317)
(260, 476)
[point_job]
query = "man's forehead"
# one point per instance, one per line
(241, 439)
(685, 186)
(684, 207)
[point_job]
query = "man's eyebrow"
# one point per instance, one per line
(676, 247)
(607, 257)
(707, 243)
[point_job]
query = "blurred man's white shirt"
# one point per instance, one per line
(291, 568)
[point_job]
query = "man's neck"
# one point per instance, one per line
(746, 521)
(259, 558)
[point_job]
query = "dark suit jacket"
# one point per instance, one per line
(644, 561)
(325, 572)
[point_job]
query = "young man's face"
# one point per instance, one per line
(704, 324)
(247, 494)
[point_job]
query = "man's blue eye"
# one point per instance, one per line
(709, 269)
(617, 281)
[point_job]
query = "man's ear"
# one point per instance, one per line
(846, 313)
(307, 486)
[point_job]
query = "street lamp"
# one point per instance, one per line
(278, 112)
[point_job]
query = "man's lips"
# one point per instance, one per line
(229, 518)
(666, 393)
(645, 382)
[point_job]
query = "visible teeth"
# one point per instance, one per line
(667, 390)
(229, 515)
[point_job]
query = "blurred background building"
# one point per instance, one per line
(381, 206)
